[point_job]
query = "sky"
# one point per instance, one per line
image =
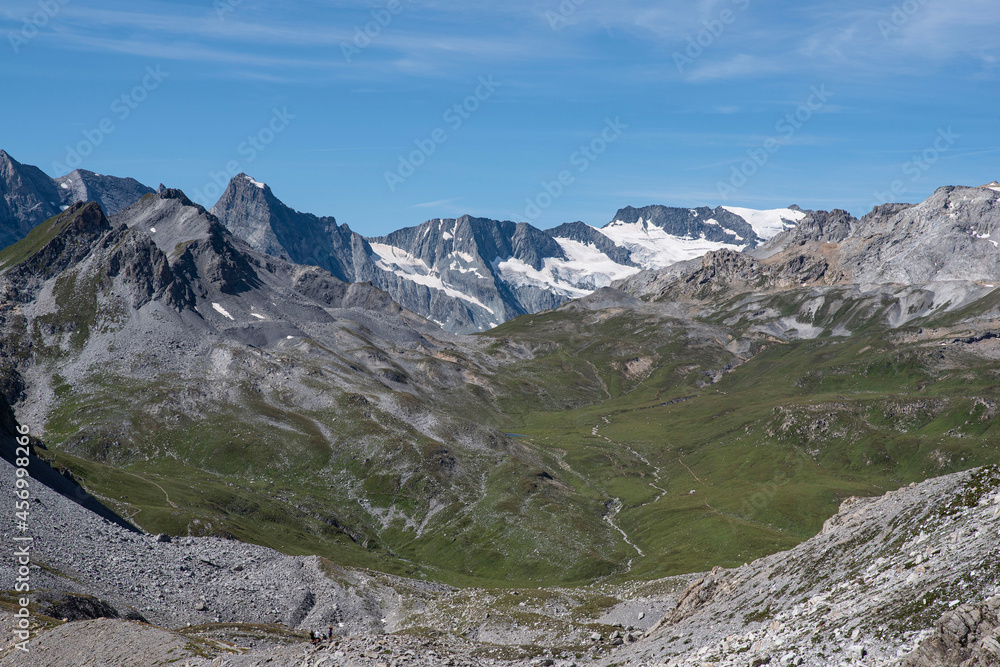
(388, 113)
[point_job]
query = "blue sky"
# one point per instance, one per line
(567, 109)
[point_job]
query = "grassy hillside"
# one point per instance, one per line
(618, 423)
(638, 445)
(772, 448)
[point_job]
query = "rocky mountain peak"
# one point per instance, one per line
(243, 180)
(252, 213)
(56, 245)
(111, 192)
(174, 193)
(171, 220)
(86, 217)
(703, 222)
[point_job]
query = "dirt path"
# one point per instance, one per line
(149, 481)
(681, 461)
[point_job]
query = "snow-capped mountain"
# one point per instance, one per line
(658, 236)
(470, 274)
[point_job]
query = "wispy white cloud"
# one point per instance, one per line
(741, 65)
(890, 39)
(440, 203)
(188, 51)
(179, 33)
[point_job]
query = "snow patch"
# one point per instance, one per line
(403, 264)
(768, 223)
(653, 248)
(258, 316)
(223, 311)
(584, 270)
(257, 183)
(64, 186)
(152, 230)
(467, 259)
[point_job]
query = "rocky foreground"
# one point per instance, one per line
(909, 579)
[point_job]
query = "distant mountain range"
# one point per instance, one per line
(470, 274)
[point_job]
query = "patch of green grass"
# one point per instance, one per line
(36, 239)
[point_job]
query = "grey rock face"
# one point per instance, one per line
(952, 236)
(252, 213)
(112, 193)
(462, 256)
(819, 226)
(968, 636)
(28, 196)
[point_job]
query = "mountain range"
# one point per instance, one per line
(467, 274)
(471, 274)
